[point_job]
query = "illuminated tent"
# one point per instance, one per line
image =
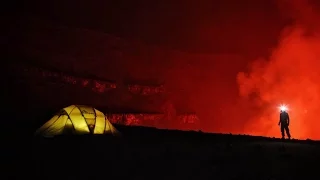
(77, 119)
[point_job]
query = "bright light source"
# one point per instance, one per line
(283, 108)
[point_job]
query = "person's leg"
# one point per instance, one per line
(287, 131)
(282, 131)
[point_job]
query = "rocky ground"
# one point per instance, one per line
(143, 153)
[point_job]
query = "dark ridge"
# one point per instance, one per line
(149, 133)
(29, 62)
(140, 130)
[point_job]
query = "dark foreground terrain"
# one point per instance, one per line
(145, 153)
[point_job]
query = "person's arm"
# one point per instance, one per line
(288, 120)
(279, 119)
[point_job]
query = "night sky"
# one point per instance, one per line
(232, 62)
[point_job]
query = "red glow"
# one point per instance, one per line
(202, 82)
(290, 75)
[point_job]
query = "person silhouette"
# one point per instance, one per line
(284, 123)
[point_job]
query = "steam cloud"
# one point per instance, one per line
(291, 75)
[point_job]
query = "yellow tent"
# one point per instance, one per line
(77, 119)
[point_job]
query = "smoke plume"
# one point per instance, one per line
(289, 76)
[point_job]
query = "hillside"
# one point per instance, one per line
(148, 153)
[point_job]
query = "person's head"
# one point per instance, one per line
(283, 109)
(284, 112)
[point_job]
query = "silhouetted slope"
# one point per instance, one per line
(162, 154)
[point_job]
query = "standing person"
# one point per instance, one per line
(284, 123)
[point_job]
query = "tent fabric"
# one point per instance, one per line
(77, 119)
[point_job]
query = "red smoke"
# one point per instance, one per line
(290, 75)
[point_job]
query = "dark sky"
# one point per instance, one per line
(197, 26)
(197, 47)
